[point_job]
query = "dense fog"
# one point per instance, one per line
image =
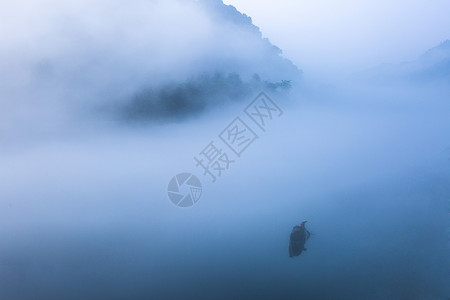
(102, 104)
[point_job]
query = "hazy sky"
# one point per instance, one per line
(326, 35)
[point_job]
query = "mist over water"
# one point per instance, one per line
(89, 217)
(84, 210)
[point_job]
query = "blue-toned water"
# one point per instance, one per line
(88, 216)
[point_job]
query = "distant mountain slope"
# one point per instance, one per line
(431, 67)
(239, 63)
(266, 53)
(144, 59)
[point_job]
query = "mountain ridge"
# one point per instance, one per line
(433, 66)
